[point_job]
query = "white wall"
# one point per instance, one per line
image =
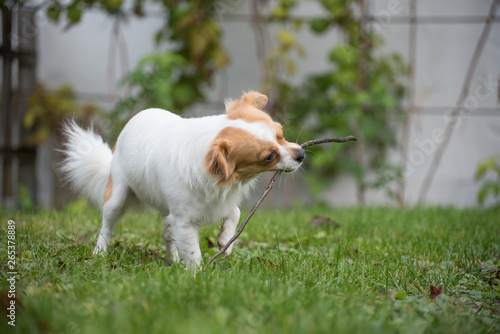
(80, 57)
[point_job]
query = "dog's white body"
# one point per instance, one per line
(175, 180)
(193, 171)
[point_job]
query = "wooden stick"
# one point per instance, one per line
(328, 140)
(268, 189)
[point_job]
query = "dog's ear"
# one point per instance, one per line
(251, 98)
(217, 162)
(255, 99)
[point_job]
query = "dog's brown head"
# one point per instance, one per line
(253, 144)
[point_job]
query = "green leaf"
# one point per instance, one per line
(482, 194)
(345, 76)
(319, 25)
(159, 37)
(279, 12)
(322, 82)
(286, 38)
(183, 93)
(401, 295)
(220, 58)
(344, 55)
(112, 6)
(54, 12)
(74, 14)
(495, 187)
(198, 43)
(297, 23)
(480, 171)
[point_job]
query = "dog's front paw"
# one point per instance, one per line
(101, 247)
(99, 251)
(193, 264)
(229, 250)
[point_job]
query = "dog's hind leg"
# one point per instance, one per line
(115, 197)
(168, 239)
(228, 230)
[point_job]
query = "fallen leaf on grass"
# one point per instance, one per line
(352, 250)
(82, 239)
(267, 263)
(210, 242)
(489, 272)
(436, 292)
(320, 221)
(61, 266)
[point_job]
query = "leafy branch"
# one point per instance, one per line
(358, 92)
(174, 78)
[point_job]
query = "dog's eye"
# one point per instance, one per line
(270, 157)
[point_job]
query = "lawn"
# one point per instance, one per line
(371, 273)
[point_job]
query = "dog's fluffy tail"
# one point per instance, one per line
(87, 163)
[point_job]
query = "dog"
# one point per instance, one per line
(194, 171)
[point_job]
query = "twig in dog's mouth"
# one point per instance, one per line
(268, 189)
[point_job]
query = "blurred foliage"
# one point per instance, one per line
(175, 77)
(26, 203)
(359, 93)
(488, 172)
(156, 82)
(48, 108)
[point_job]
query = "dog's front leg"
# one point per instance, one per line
(187, 240)
(228, 229)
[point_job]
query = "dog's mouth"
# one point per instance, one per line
(290, 165)
(291, 169)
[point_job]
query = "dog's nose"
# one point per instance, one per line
(300, 155)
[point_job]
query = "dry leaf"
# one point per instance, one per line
(352, 250)
(82, 239)
(320, 221)
(210, 242)
(267, 263)
(436, 292)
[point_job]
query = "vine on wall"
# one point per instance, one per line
(189, 44)
(360, 93)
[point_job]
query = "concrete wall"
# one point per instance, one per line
(86, 57)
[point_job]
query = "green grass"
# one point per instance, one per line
(370, 275)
